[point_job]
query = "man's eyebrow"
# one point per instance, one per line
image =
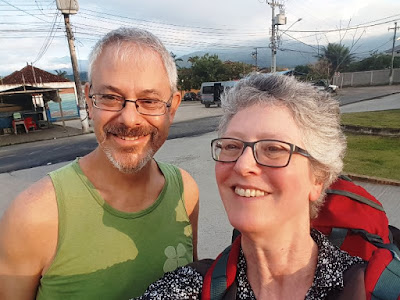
(150, 92)
(111, 88)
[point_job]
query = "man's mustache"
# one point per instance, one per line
(123, 130)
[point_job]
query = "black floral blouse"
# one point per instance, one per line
(186, 282)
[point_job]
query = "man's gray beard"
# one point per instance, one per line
(129, 169)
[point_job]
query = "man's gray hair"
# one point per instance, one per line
(317, 115)
(141, 38)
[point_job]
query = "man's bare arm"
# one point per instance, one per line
(28, 239)
(191, 196)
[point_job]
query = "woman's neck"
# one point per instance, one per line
(281, 266)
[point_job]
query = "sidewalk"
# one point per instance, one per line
(56, 130)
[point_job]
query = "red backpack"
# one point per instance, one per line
(353, 219)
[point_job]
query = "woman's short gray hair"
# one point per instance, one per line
(141, 38)
(317, 115)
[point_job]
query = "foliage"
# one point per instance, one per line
(376, 61)
(210, 68)
(305, 69)
(321, 69)
(173, 55)
(376, 119)
(61, 73)
(338, 56)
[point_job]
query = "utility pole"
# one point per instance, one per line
(68, 7)
(254, 54)
(280, 19)
(394, 44)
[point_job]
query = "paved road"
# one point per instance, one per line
(385, 103)
(192, 119)
(193, 155)
(356, 94)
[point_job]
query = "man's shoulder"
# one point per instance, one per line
(28, 228)
(35, 202)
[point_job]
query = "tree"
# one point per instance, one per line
(376, 61)
(234, 70)
(175, 59)
(206, 68)
(338, 56)
(321, 69)
(61, 73)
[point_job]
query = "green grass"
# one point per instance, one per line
(369, 155)
(374, 156)
(377, 119)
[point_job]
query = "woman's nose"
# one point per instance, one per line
(246, 163)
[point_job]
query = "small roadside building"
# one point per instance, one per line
(29, 81)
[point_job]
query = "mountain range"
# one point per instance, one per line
(290, 53)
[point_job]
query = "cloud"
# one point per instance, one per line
(184, 26)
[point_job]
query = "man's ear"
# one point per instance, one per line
(176, 101)
(89, 102)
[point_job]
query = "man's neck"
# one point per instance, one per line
(125, 192)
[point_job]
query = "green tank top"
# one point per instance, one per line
(103, 253)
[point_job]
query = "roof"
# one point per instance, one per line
(27, 89)
(396, 50)
(27, 76)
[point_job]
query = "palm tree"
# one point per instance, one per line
(176, 59)
(337, 55)
(61, 73)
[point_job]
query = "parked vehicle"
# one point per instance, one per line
(190, 96)
(211, 92)
(323, 85)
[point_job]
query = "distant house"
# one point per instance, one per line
(396, 51)
(35, 77)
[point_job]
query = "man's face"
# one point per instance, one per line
(127, 138)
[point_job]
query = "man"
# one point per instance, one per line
(109, 224)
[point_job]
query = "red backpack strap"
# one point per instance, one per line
(222, 273)
(382, 275)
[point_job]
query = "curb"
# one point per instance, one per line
(45, 139)
(391, 132)
(375, 180)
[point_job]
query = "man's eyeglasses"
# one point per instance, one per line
(269, 153)
(148, 107)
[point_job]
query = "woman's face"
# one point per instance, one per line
(282, 195)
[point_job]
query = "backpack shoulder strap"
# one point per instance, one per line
(221, 275)
(382, 277)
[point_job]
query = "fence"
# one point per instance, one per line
(375, 77)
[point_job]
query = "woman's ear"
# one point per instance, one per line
(316, 190)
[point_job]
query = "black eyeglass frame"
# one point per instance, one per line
(293, 149)
(167, 104)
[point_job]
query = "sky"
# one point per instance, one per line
(33, 31)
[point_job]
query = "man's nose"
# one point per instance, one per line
(129, 114)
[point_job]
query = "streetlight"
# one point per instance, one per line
(298, 20)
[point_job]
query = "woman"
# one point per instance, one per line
(279, 147)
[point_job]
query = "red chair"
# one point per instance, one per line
(30, 123)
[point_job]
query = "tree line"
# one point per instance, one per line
(338, 58)
(209, 68)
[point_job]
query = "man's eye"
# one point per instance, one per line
(107, 97)
(148, 101)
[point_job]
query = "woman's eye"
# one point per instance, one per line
(231, 147)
